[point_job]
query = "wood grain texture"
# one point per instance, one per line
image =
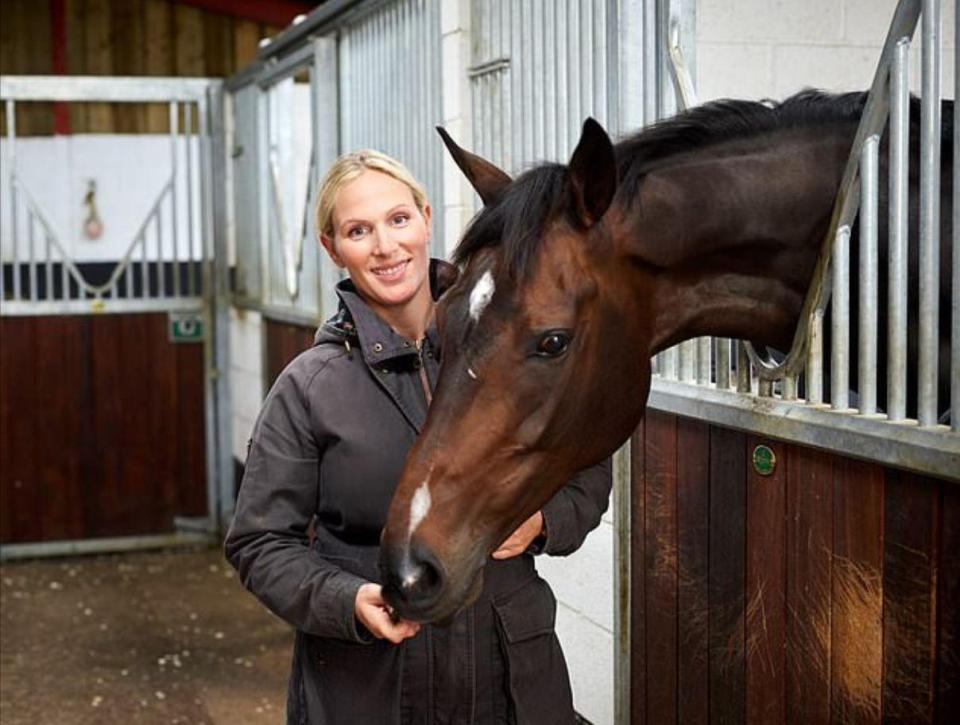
(661, 566)
(102, 427)
(727, 575)
(857, 597)
(766, 634)
(948, 620)
(693, 571)
(638, 591)
(283, 343)
(809, 584)
(910, 560)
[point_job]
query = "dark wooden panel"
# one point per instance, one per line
(857, 616)
(638, 591)
(21, 484)
(128, 40)
(283, 343)
(727, 571)
(103, 427)
(948, 579)
(661, 566)
(910, 554)
(809, 565)
(766, 634)
(693, 570)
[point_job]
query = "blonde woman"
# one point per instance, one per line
(328, 447)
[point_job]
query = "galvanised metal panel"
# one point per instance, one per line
(390, 91)
(246, 219)
(538, 69)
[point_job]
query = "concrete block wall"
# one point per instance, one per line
(774, 48)
(246, 375)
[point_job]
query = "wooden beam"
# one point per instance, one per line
(275, 12)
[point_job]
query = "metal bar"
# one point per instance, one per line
(840, 354)
(723, 363)
(174, 220)
(191, 230)
(867, 351)
(64, 278)
(161, 271)
(688, 360)
(75, 547)
(549, 75)
(32, 269)
(789, 391)
(930, 450)
(744, 374)
(814, 368)
(144, 266)
(899, 216)
(114, 89)
(82, 306)
(955, 302)
(49, 266)
(668, 359)
(929, 215)
(12, 160)
(704, 362)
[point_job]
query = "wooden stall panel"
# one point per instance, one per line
(809, 584)
(661, 566)
(766, 626)
(727, 575)
(102, 427)
(693, 571)
(857, 597)
(910, 561)
(284, 342)
(826, 591)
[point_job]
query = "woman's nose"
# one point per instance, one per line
(386, 242)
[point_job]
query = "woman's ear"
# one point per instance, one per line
(328, 244)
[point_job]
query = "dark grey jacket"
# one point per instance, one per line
(330, 442)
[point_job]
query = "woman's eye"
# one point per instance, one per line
(553, 344)
(355, 232)
(401, 219)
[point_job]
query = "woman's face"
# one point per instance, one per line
(381, 239)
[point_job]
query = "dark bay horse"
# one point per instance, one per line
(574, 276)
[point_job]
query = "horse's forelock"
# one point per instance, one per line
(516, 224)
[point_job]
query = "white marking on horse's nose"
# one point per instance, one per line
(419, 506)
(480, 295)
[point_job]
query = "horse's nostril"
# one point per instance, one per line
(413, 576)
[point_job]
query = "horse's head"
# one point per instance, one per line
(535, 384)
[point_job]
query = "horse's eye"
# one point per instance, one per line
(553, 344)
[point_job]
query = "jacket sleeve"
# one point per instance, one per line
(575, 510)
(268, 542)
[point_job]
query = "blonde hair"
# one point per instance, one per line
(347, 168)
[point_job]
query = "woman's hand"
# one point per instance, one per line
(520, 539)
(375, 614)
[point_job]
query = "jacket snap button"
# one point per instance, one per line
(377, 347)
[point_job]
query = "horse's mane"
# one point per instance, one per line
(517, 221)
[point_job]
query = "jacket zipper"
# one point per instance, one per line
(424, 380)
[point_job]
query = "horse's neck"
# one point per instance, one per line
(731, 240)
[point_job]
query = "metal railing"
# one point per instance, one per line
(705, 378)
(162, 266)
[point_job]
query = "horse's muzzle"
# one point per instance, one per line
(413, 579)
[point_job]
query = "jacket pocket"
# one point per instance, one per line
(537, 678)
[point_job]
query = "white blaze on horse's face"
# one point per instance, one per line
(481, 295)
(419, 506)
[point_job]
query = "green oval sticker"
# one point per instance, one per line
(764, 460)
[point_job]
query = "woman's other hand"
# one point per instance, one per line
(520, 539)
(375, 614)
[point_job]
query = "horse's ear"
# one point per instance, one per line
(593, 171)
(443, 276)
(487, 179)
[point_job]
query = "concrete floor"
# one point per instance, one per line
(167, 637)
